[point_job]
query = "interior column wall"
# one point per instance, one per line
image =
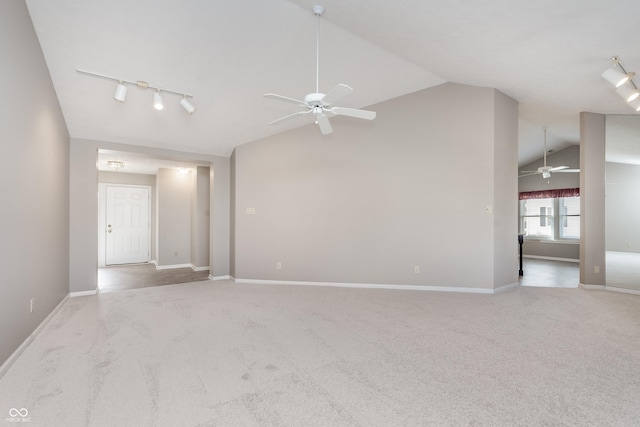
(174, 191)
(592, 199)
(200, 215)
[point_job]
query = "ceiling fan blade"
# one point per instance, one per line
(558, 168)
(567, 170)
(323, 123)
(337, 93)
(528, 173)
(290, 116)
(283, 98)
(353, 112)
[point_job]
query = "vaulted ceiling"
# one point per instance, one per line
(548, 55)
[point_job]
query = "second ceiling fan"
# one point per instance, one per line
(319, 104)
(545, 170)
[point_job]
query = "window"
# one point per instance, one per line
(550, 218)
(537, 218)
(569, 217)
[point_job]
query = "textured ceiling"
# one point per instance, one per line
(548, 55)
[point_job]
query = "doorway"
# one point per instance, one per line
(127, 224)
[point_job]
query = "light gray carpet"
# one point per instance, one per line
(217, 353)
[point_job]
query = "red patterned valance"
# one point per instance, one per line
(548, 194)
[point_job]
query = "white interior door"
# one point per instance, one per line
(127, 225)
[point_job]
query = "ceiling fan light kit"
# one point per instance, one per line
(317, 103)
(121, 91)
(623, 81)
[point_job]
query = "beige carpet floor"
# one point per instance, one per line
(218, 353)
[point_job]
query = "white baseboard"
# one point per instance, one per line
(370, 286)
(597, 287)
(220, 277)
(14, 356)
(623, 290)
(505, 288)
(194, 268)
(550, 258)
(82, 293)
(154, 262)
(169, 267)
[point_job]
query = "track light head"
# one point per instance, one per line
(121, 92)
(616, 77)
(157, 101)
(628, 93)
(635, 104)
(187, 105)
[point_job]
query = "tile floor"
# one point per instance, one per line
(136, 276)
(550, 274)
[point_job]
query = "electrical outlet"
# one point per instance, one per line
(251, 211)
(278, 265)
(596, 269)
(416, 269)
(31, 303)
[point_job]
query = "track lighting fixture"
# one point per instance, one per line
(121, 91)
(623, 82)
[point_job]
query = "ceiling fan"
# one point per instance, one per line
(545, 170)
(319, 104)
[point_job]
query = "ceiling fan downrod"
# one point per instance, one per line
(318, 11)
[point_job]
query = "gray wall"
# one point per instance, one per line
(220, 210)
(232, 237)
(174, 191)
(592, 199)
(83, 252)
(34, 258)
(505, 189)
(374, 199)
(623, 207)
(200, 206)
(84, 206)
(569, 156)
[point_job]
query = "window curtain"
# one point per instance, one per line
(548, 194)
